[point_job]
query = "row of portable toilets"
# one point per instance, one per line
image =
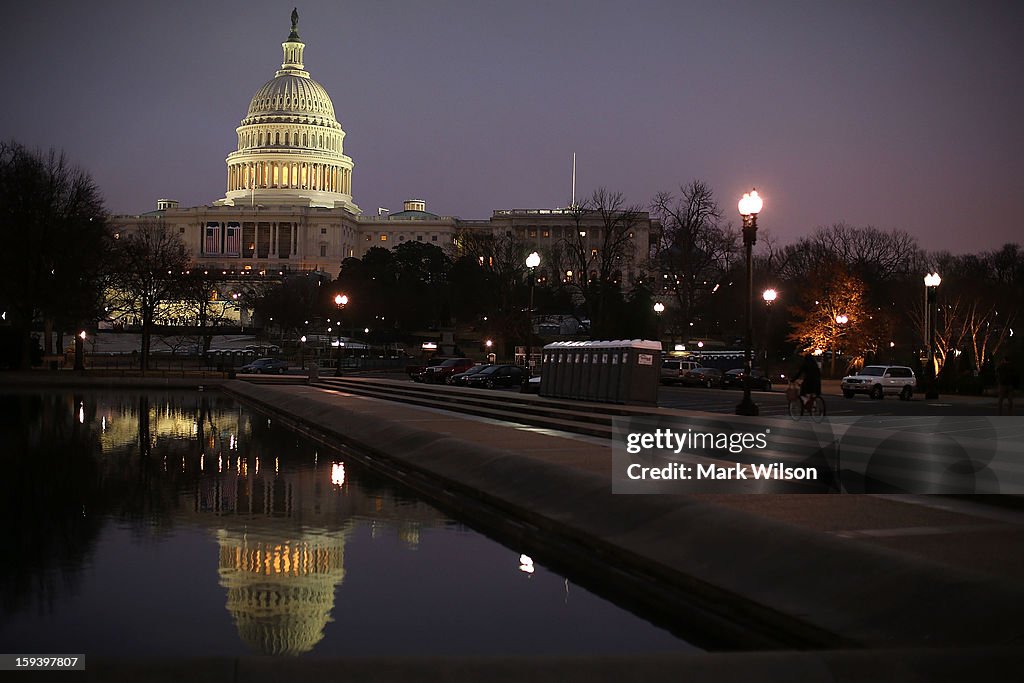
(621, 371)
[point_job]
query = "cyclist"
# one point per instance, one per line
(811, 386)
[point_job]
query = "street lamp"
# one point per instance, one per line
(769, 296)
(659, 308)
(302, 352)
(931, 286)
(80, 350)
(749, 206)
(340, 300)
(532, 261)
(840, 320)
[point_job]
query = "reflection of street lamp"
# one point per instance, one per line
(302, 352)
(749, 206)
(840, 320)
(340, 300)
(532, 261)
(931, 285)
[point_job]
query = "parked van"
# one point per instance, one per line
(673, 369)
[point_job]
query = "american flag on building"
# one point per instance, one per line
(233, 240)
(212, 243)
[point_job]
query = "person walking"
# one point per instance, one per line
(1007, 380)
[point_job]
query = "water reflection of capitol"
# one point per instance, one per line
(281, 516)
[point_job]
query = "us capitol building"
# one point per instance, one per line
(289, 205)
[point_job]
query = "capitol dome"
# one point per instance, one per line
(290, 144)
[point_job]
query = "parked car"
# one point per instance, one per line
(459, 379)
(263, 366)
(736, 377)
(673, 369)
(878, 380)
(703, 377)
(498, 376)
(437, 374)
(415, 372)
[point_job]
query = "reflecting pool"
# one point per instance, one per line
(183, 523)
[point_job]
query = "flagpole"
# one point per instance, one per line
(573, 205)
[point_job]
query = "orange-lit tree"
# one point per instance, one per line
(831, 313)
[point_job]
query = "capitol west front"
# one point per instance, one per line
(289, 205)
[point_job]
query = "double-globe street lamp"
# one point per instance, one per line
(341, 301)
(749, 205)
(532, 261)
(931, 286)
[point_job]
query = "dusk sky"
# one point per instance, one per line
(900, 115)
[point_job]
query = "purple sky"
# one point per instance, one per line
(900, 115)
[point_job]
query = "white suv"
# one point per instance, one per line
(673, 369)
(878, 380)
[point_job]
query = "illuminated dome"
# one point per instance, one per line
(290, 145)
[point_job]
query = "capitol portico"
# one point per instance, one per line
(289, 203)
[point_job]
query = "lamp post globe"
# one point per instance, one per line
(749, 206)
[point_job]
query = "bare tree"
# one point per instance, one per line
(148, 272)
(979, 301)
(694, 249)
(872, 254)
(599, 249)
(52, 223)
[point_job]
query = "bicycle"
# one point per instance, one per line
(814, 406)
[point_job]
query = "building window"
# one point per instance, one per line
(545, 233)
(181, 230)
(368, 238)
(383, 238)
(419, 238)
(323, 231)
(532, 232)
(323, 250)
(401, 238)
(433, 238)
